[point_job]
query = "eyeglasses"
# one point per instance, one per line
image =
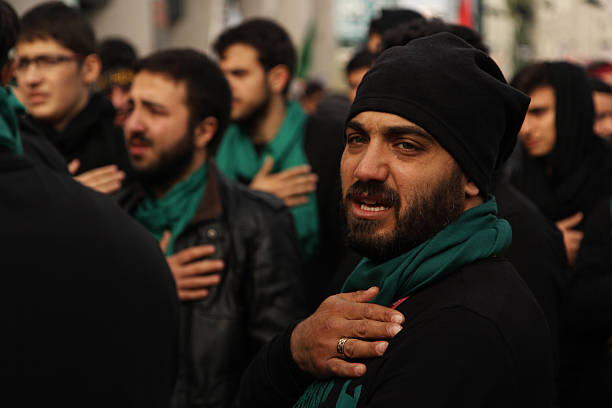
(45, 62)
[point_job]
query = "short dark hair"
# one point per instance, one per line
(117, 53)
(9, 24)
(208, 93)
(61, 23)
(597, 85)
(404, 33)
(531, 77)
(362, 59)
(270, 40)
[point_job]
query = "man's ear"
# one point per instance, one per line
(278, 78)
(91, 68)
(471, 190)
(205, 131)
(8, 70)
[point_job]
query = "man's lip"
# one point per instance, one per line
(36, 98)
(530, 143)
(376, 211)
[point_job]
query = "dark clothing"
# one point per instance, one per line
(38, 148)
(537, 253)
(253, 234)
(89, 300)
(475, 339)
(587, 371)
(92, 137)
(580, 191)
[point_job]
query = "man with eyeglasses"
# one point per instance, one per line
(57, 64)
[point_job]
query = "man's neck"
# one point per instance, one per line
(197, 162)
(63, 123)
(267, 127)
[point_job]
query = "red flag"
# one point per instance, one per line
(466, 14)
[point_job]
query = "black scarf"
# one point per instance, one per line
(578, 171)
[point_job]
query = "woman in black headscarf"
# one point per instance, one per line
(569, 174)
(574, 171)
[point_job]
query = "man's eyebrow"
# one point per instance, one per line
(353, 124)
(154, 105)
(395, 131)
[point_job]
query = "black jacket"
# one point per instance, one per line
(87, 300)
(477, 338)
(253, 233)
(92, 137)
(587, 370)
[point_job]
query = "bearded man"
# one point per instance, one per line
(232, 252)
(274, 146)
(431, 122)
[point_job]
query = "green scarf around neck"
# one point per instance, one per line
(10, 107)
(476, 234)
(238, 160)
(175, 209)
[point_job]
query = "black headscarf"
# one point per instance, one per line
(578, 171)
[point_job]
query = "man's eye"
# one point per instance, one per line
(355, 139)
(407, 146)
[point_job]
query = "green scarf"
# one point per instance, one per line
(238, 159)
(476, 234)
(10, 107)
(175, 209)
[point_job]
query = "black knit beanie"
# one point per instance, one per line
(455, 92)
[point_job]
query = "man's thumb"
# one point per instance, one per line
(570, 222)
(73, 166)
(266, 167)
(163, 243)
(363, 296)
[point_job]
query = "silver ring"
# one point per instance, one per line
(340, 345)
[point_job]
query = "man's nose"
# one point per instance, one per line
(134, 123)
(374, 164)
(30, 75)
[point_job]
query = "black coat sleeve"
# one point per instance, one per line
(589, 304)
(274, 267)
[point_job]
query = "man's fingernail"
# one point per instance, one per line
(397, 318)
(360, 370)
(381, 347)
(394, 329)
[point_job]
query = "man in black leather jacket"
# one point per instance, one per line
(232, 251)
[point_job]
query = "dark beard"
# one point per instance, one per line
(250, 119)
(171, 164)
(426, 215)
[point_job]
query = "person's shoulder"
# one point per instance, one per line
(240, 201)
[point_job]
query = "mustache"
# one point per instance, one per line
(139, 136)
(376, 190)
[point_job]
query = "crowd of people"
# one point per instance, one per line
(180, 232)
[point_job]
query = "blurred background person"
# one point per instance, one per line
(602, 103)
(272, 145)
(232, 251)
(118, 57)
(565, 169)
(57, 66)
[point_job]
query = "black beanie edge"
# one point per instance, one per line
(435, 126)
